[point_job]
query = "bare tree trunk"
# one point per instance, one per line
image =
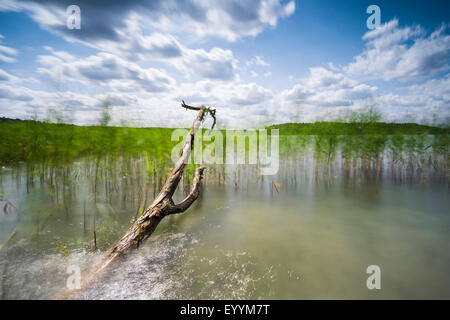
(161, 207)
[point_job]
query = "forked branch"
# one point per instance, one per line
(192, 196)
(162, 206)
(211, 111)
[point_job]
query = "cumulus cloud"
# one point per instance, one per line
(215, 64)
(5, 76)
(391, 53)
(327, 88)
(140, 31)
(17, 101)
(230, 20)
(12, 93)
(326, 94)
(228, 95)
(118, 99)
(7, 54)
(241, 105)
(433, 94)
(257, 61)
(132, 34)
(132, 42)
(403, 53)
(103, 69)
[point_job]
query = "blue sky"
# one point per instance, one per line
(257, 62)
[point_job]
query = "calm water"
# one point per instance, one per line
(309, 232)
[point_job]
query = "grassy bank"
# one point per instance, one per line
(41, 141)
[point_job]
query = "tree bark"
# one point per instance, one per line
(161, 207)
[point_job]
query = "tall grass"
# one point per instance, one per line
(31, 141)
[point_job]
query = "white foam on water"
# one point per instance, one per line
(148, 273)
(29, 275)
(167, 266)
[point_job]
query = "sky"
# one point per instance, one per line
(258, 62)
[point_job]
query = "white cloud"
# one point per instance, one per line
(15, 93)
(215, 64)
(239, 105)
(5, 76)
(150, 96)
(228, 95)
(433, 94)
(257, 61)
(103, 69)
(327, 88)
(405, 53)
(7, 53)
(132, 42)
(229, 20)
(324, 95)
(148, 31)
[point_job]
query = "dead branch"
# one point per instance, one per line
(211, 111)
(162, 206)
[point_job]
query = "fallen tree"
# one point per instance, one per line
(162, 206)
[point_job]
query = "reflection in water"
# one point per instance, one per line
(337, 205)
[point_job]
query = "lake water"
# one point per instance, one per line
(309, 232)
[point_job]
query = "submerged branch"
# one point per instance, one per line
(162, 206)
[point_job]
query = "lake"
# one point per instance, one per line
(308, 232)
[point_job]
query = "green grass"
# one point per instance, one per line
(33, 141)
(39, 141)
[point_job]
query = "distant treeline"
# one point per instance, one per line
(344, 128)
